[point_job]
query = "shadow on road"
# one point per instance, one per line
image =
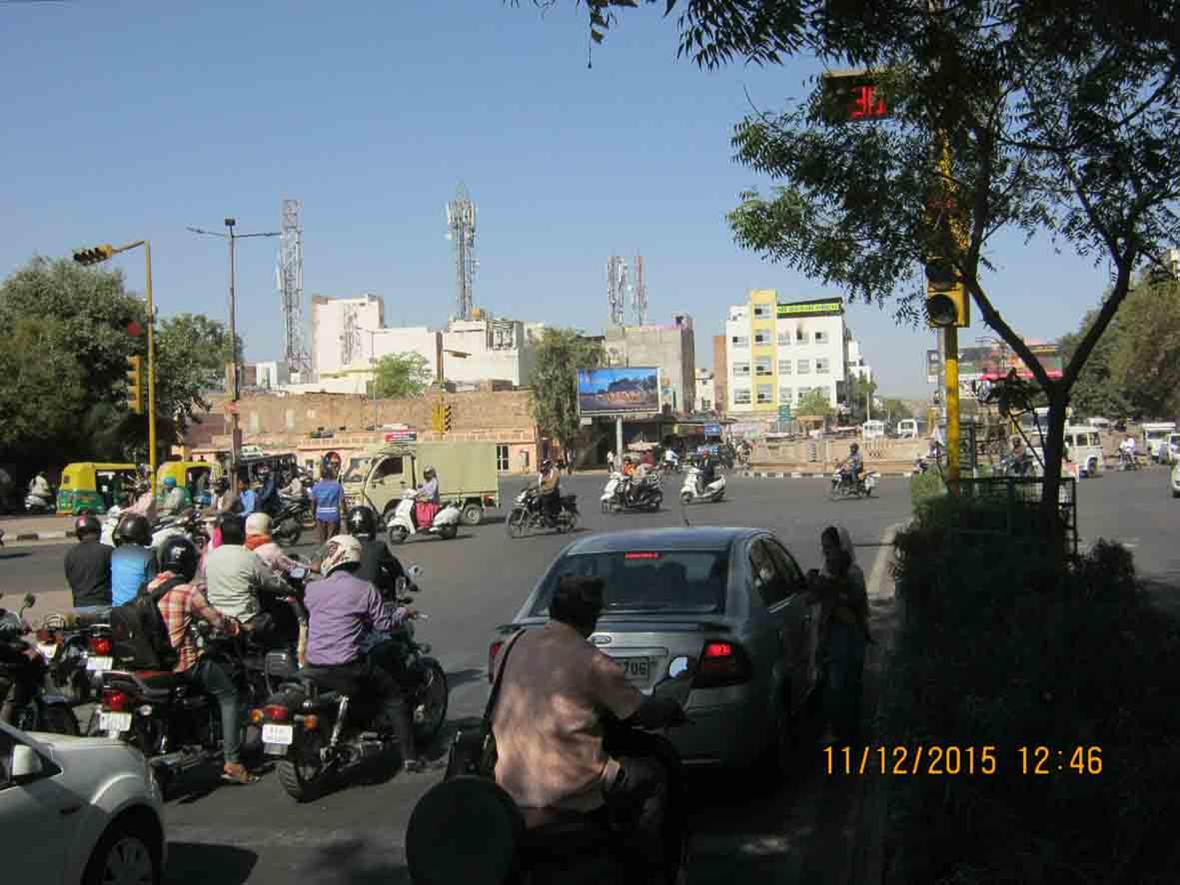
(493, 520)
(189, 862)
(464, 677)
(16, 554)
(339, 864)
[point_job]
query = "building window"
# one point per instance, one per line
(784, 367)
(800, 336)
(786, 395)
(765, 393)
(761, 311)
(706, 405)
(761, 337)
(741, 397)
(804, 367)
(762, 366)
(741, 370)
(784, 339)
(740, 340)
(821, 337)
(821, 365)
(502, 463)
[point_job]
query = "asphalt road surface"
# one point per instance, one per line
(475, 582)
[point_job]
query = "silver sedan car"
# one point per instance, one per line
(733, 599)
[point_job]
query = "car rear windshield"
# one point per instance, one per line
(684, 581)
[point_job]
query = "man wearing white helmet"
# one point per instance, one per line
(342, 609)
(259, 540)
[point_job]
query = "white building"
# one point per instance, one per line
(704, 401)
(853, 359)
(271, 375)
(340, 328)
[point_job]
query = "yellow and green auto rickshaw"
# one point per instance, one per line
(95, 486)
(196, 476)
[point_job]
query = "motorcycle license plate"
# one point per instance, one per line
(113, 723)
(635, 669)
(282, 735)
(99, 665)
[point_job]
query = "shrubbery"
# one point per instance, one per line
(1002, 644)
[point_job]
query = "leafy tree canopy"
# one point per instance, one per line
(402, 375)
(814, 404)
(554, 382)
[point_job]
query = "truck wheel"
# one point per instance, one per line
(472, 514)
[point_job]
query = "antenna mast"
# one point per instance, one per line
(461, 232)
(290, 280)
(616, 289)
(350, 338)
(639, 294)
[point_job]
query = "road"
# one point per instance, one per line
(476, 581)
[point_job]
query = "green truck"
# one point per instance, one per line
(467, 475)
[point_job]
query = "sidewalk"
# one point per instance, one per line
(36, 528)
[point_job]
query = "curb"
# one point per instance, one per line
(41, 536)
(759, 474)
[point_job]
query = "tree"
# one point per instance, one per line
(814, 404)
(192, 351)
(1146, 356)
(1036, 117)
(400, 376)
(554, 382)
(43, 390)
(859, 391)
(1096, 392)
(895, 409)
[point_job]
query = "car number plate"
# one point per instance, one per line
(113, 723)
(636, 669)
(278, 734)
(99, 665)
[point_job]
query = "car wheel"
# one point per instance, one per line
(472, 514)
(128, 853)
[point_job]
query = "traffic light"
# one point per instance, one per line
(93, 256)
(437, 418)
(135, 384)
(947, 301)
(447, 418)
(853, 95)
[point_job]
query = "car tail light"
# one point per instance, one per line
(722, 663)
(493, 653)
(116, 700)
(100, 646)
(276, 713)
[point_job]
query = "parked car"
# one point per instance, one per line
(731, 598)
(1175, 480)
(75, 809)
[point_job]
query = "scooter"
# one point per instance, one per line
(35, 504)
(671, 461)
(843, 485)
(404, 521)
(468, 829)
(692, 493)
(622, 493)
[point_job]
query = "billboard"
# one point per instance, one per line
(991, 363)
(618, 390)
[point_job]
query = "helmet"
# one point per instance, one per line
(362, 521)
(340, 551)
(854, 448)
(87, 524)
(429, 471)
(169, 482)
(258, 524)
(178, 555)
(134, 529)
(546, 464)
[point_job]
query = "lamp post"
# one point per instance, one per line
(236, 432)
(98, 254)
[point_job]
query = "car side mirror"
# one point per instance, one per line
(26, 763)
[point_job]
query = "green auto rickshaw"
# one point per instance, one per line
(95, 486)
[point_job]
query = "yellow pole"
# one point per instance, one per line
(151, 359)
(952, 403)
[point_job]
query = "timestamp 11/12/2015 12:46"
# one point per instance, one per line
(954, 760)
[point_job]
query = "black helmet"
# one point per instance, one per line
(221, 486)
(87, 524)
(178, 555)
(362, 521)
(134, 529)
(854, 447)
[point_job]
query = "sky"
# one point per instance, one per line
(131, 120)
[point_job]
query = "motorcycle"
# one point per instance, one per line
(186, 524)
(73, 646)
(572, 848)
(672, 462)
(692, 492)
(289, 521)
(404, 521)
(527, 514)
(1127, 461)
(36, 505)
(319, 729)
(844, 486)
(45, 711)
(621, 493)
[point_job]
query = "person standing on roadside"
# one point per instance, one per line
(328, 497)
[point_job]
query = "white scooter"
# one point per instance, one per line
(403, 523)
(691, 493)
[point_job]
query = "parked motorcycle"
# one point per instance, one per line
(404, 521)
(46, 711)
(474, 812)
(693, 493)
(623, 493)
(36, 505)
(845, 486)
(527, 514)
(320, 729)
(73, 645)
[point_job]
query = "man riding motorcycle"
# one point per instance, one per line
(1127, 450)
(39, 488)
(343, 609)
(549, 491)
(235, 576)
(180, 607)
(706, 472)
(24, 669)
(259, 540)
(852, 466)
(88, 565)
(378, 566)
(548, 725)
(133, 562)
(176, 498)
(145, 503)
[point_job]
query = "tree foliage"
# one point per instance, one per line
(43, 390)
(554, 382)
(859, 390)
(896, 409)
(398, 376)
(191, 354)
(814, 404)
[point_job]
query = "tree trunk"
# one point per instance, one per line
(1054, 449)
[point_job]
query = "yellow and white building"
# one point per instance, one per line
(777, 353)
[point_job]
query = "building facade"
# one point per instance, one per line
(671, 348)
(496, 350)
(720, 374)
(777, 353)
(705, 401)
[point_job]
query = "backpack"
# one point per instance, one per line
(141, 640)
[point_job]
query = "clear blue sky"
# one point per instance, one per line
(126, 120)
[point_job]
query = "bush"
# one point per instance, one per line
(924, 487)
(1004, 644)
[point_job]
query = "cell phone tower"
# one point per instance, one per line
(350, 338)
(639, 294)
(461, 233)
(616, 289)
(290, 281)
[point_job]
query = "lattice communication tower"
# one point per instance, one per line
(616, 289)
(350, 338)
(461, 233)
(290, 274)
(639, 294)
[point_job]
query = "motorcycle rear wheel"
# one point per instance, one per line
(302, 772)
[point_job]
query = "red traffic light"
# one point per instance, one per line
(134, 329)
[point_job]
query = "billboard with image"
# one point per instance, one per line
(618, 390)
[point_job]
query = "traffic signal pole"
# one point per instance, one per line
(951, 339)
(151, 382)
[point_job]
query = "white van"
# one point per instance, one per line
(1155, 436)
(1085, 449)
(907, 428)
(1102, 424)
(872, 429)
